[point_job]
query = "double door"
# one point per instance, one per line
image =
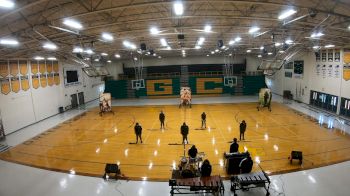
(77, 99)
(324, 101)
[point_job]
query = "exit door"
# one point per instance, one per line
(74, 100)
(81, 98)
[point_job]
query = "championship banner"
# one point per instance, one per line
(318, 70)
(337, 71)
(346, 67)
(336, 55)
(14, 68)
(43, 80)
(55, 66)
(5, 86)
(42, 68)
(50, 79)
(324, 56)
(57, 78)
(330, 71)
(34, 67)
(15, 86)
(23, 67)
(324, 71)
(49, 67)
(330, 55)
(346, 72)
(35, 81)
(4, 68)
(25, 82)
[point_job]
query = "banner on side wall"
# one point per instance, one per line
(346, 66)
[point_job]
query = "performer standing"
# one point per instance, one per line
(184, 132)
(206, 168)
(204, 120)
(161, 119)
(234, 146)
(138, 132)
(242, 128)
(192, 152)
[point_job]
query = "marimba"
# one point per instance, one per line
(211, 184)
(251, 180)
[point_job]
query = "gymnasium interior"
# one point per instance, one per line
(174, 97)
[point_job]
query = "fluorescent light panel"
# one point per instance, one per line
(207, 28)
(107, 37)
(77, 50)
(7, 4)
(329, 46)
(249, 51)
(88, 51)
(51, 58)
(154, 30)
(72, 23)
(237, 39)
(254, 30)
(286, 14)
(178, 8)
(318, 34)
(50, 46)
(38, 58)
(104, 54)
(117, 56)
(163, 42)
(8, 42)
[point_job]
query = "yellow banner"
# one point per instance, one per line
(346, 72)
(159, 87)
(203, 82)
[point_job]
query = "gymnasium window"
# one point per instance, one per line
(323, 100)
(345, 107)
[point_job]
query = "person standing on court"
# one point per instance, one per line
(184, 132)
(234, 146)
(204, 120)
(242, 128)
(138, 132)
(161, 119)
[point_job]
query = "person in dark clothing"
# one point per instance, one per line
(234, 146)
(246, 165)
(192, 152)
(138, 132)
(204, 120)
(242, 128)
(206, 168)
(266, 97)
(184, 132)
(161, 119)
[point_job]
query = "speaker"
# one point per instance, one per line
(143, 46)
(79, 56)
(220, 43)
(180, 36)
(111, 168)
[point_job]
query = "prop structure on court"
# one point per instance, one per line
(186, 97)
(265, 97)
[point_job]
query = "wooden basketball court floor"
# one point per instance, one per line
(84, 144)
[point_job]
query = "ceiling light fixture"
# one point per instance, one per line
(231, 42)
(11, 42)
(278, 44)
(254, 30)
(237, 39)
(50, 46)
(72, 23)
(286, 14)
(168, 48)
(129, 45)
(109, 61)
(38, 58)
(197, 47)
(249, 51)
(259, 56)
(7, 4)
(207, 28)
(104, 54)
(261, 47)
(178, 8)
(318, 34)
(163, 42)
(107, 37)
(89, 51)
(212, 52)
(117, 56)
(329, 46)
(316, 47)
(77, 50)
(159, 57)
(288, 41)
(270, 53)
(201, 41)
(216, 50)
(51, 58)
(97, 60)
(154, 30)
